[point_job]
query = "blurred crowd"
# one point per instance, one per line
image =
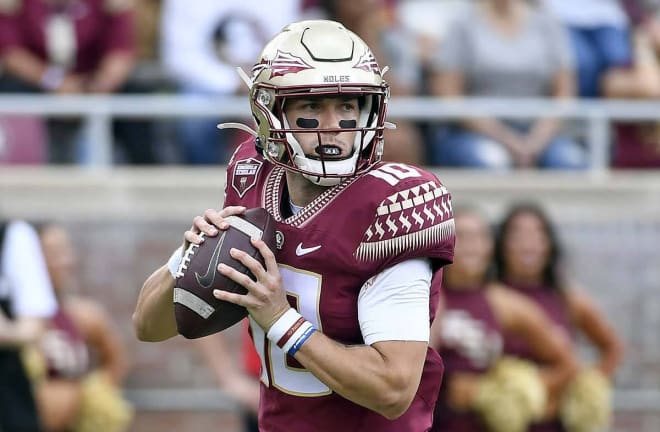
(550, 49)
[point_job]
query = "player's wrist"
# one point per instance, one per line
(301, 340)
(282, 324)
(289, 329)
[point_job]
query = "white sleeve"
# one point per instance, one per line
(25, 268)
(394, 304)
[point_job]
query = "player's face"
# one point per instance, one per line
(324, 112)
(526, 247)
(474, 246)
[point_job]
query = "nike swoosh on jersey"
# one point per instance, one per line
(300, 251)
(207, 279)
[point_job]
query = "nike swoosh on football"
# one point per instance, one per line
(207, 280)
(300, 251)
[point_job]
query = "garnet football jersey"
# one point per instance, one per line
(326, 252)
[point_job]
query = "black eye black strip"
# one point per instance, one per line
(347, 124)
(307, 123)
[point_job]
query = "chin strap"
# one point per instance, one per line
(240, 126)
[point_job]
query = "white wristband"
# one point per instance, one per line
(285, 328)
(174, 262)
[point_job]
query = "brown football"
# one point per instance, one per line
(198, 313)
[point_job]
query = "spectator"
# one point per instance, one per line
(26, 302)
(201, 48)
(72, 47)
(527, 257)
(599, 35)
(428, 21)
(505, 48)
(478, 315)
(373, 21)
(637, 144)
(80, 352)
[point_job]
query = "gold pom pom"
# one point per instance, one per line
(510, 396)
(103, 409)
(586, 405)
(34, 364)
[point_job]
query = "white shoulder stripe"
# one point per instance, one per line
(369, 251)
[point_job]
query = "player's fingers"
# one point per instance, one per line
(213, 218)
(201, 225)
(237, 277)
(269, 256)
(252, 264)
(216, 218)
(239, 299)
(192, 237)
(220, 221)
(232, 210)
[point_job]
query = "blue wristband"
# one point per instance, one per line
(301, 340)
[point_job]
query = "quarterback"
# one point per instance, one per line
(340, 313)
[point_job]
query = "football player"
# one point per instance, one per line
(341, 311)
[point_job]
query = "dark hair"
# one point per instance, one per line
(551, 273)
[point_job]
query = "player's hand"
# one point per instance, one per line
(266, 298)
(209, 223)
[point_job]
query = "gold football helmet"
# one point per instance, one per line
(318, 58)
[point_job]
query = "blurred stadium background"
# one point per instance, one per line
(127, 219)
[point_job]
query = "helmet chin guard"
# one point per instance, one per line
(321, 59)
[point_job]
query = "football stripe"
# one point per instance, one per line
(245, 227)
(192, 302)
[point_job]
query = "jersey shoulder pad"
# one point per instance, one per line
(243, 171)
(411, 215)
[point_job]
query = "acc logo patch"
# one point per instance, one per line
(245, 175)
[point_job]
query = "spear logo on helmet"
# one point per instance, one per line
(285, 63)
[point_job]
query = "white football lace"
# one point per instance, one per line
(186, 257)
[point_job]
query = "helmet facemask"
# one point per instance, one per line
(282, 148)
